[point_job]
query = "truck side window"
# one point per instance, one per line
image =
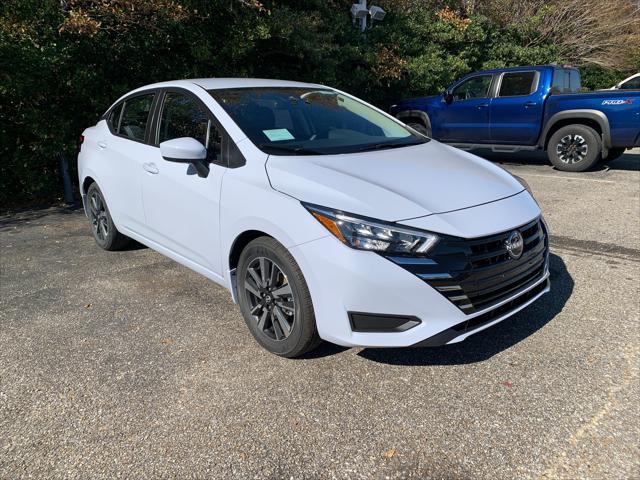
(517, 83)
(474, 87)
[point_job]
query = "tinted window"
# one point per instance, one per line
(517, 83)
(474, 87)
(311, 121)
(565, 81)
(114, 117)
(633, 84)
(183, 116)
(574, 81)
(135, 117)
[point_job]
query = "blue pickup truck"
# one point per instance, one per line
(530, 108)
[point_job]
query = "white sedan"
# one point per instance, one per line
(325, 217)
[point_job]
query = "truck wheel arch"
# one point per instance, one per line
(418, 115)
(591, 118)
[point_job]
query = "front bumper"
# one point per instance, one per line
(343, 280)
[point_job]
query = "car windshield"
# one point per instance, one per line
(308, 121)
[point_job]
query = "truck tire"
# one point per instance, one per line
(420, 128)
(613, 154)
(575, 148)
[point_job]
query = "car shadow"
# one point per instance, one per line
(493, 340)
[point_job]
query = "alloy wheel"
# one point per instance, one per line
(270, 298)
(572, 148)
(98, 216)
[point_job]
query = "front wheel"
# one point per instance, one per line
(575, 148)
(275, 300)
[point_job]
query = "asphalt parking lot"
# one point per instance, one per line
(129, 365)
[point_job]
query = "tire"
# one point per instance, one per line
(614, 153)
(275, 300)
(103, 229)
(419, 127)
(575, 148)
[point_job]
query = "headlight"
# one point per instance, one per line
(373, 235)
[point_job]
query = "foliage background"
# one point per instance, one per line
(63, 62)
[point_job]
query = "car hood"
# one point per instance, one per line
(393, 184)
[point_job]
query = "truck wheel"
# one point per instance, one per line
(418, 127)
(575, 148)
(613, 154)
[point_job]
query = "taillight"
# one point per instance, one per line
(81, 139)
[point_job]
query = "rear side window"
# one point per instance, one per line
(565, 81)
(517, 84)
(114, 117)
(135, 117)
(633, 84)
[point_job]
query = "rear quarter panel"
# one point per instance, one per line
(621, 108)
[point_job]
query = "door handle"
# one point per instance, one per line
(102, 144)
(483, 105)
(150, 167)
(530, 104)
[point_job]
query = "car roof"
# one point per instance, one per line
(220, 83)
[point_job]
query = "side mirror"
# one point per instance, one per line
(448, 97)
(186, 150)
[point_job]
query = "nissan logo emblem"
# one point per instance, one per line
(514, 245)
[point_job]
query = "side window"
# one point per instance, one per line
(474, 87)
(517, 84)
(574, 81)
(633, 84)
(183, 116)
(114, 117)
(135, 116)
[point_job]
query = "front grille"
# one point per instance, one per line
(475, 274)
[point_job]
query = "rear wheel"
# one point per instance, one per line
(104, 231)
(613, 154)
(275, 300)
(575, 148)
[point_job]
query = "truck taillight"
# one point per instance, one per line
(81, 139)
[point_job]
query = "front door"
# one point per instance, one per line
(466, 118)
(183, 209)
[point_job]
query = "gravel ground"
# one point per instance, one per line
(128, 365)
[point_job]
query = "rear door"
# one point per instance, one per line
(466, 118)
(124, 149)
(516, 111)
(183, 209)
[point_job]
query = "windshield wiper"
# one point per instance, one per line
(383, 146)
(295, 149)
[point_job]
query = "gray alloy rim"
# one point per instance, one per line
(572, 148)
(270, 298)
(98, 215)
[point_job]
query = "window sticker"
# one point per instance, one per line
(278, 134)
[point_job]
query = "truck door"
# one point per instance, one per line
(465, 118)
(516, 111)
